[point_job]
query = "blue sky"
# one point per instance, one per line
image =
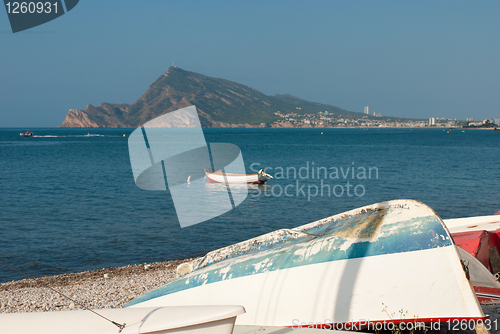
(409, 59)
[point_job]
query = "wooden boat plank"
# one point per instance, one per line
(468, 224)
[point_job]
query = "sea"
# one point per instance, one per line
(69, 203)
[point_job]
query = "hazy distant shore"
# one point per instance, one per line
(273, 126)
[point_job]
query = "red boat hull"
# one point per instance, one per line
(483, 245)
(487, 295)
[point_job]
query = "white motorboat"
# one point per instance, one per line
(231, 178)
(26, 134)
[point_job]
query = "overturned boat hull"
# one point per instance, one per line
(357, 268)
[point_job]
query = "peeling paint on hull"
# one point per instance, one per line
(338, 249)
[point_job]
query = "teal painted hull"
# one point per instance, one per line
(315, 271)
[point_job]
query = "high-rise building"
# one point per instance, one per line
(432, 121)
(367, 110)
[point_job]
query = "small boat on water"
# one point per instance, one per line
(179, 320)
(26, 134)
(221, 177)
(360, 266)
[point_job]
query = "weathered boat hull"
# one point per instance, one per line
(361, 266)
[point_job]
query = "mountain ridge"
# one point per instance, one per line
(220, 103)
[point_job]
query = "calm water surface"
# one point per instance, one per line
(69, 202)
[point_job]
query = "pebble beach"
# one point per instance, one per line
(104, 288)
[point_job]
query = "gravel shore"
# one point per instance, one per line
(104, 288)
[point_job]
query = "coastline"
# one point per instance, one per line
(239, 126)
(290, 126)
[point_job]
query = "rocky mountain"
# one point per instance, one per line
(220, 103)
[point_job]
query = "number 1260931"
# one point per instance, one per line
(31, 7)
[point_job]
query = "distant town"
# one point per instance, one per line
(376, 120)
